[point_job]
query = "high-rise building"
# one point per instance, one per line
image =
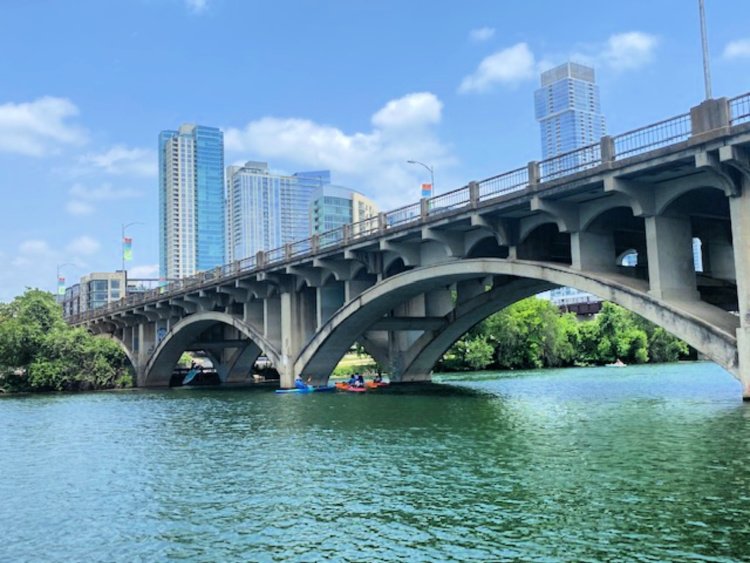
(567, 107)
(334, 206)
(569, 114)
(265, 210)
(191, 200)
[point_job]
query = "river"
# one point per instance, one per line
(639, 463)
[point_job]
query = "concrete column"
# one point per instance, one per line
(592, 251)
(718, 252)
(147, 340)
(254, 314)
(353, 288)
(438, 302)
(298, 321)
(330, 299)
(669, 243)
(709, 115)
(466, 290)
(272, 320)
(739, 208)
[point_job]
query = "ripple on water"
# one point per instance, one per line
(646, 463)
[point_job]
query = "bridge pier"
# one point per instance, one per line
(669, 244)
(298, 324)
(739, 208)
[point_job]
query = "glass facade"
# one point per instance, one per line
(334, 206)
(569, 114)
(568, 109)
(191, 200)
(265, 210)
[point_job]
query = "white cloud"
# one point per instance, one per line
(83, 245)
(147, 271)
(83, 198)
(373, 162)
(628, 51)
(34, 247)
(197, 6)
(481, 34)
(413, 110)
(38, 128)
(509, 67)
(75, 207)
(739, 49)
(123, 160)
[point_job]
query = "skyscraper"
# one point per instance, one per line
(334, 206)
(569, 114)
(265, 210)
(568, 110)
(191, 200)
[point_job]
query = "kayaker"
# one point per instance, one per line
(360, 382)
(352, 380)
(378, 378)
(299, 384)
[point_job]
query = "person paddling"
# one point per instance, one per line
(299, 384)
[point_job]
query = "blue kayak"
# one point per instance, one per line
(307, 390)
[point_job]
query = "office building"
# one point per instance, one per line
(191, 200)
(569, 114)
(265, 210)
(334, 206)
(568, 110)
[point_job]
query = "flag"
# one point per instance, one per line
(426, 190)
(127, 249)
(60, 285)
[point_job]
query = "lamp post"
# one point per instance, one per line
(704, 43)
(125, 226)
(57, 278)
(432, 174)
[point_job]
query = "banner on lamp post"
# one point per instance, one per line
(426, 190)
(60, 285)
(127, 249)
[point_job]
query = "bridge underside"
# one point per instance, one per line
(624, 230)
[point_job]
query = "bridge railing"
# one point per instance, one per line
(638, 141)
(739, 109)
(504, 183)
(570, 162)
(661, 134)
(448, 201)
(403, 215)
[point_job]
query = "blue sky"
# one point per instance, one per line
(357, 87)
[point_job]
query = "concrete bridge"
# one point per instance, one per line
(407, 284)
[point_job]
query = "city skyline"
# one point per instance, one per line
(77, 120)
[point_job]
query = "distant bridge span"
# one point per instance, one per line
(410, 282)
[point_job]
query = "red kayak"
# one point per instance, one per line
(350, 388)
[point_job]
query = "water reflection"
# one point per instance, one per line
(590, 464)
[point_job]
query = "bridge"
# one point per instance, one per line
(408, 283)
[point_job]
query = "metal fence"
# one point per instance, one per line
(504, 183)
(654, 136)
(663, 133)
(570, 162)
(739, 109)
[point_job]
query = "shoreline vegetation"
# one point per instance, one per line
(39, 352)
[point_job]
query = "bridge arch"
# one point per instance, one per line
(158, 370)
(715, 337)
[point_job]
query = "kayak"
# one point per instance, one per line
(305, 391)
(347, 387)
(375, 384)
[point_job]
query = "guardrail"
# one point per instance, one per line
(739, 109)
(638, 141)
(661, 134)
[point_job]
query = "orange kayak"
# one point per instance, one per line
(375, 385)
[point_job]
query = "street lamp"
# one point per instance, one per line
(125, 226)
(57, 279)
(432, 175)
(704, 44)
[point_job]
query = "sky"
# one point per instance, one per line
(357, 87)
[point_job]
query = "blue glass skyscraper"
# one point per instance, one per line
(567, 107)
(191, 200)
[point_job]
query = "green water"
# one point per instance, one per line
(639, 463)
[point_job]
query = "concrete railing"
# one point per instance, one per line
(706, 117)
